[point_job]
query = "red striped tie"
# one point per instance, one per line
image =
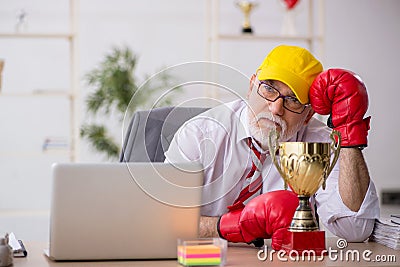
(253, 182)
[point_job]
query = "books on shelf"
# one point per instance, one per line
(387, 232)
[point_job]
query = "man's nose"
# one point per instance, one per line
(276, 107)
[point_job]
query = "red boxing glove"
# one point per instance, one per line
(266, 216)
(228, 226)
(343, 95)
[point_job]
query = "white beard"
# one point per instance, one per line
(259, 128)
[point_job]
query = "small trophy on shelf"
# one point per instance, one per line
(246, 7)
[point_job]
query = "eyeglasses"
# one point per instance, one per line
(290, 103)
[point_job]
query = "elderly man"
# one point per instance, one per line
(242, 195)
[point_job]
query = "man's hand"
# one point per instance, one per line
(208, 227)
(341, 94)
(266, 216)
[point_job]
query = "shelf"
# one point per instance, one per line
(69, 92)
(313, 33)
(37, 93)
(23, 212)
(236, 37)
(34, 154)
(38, 35)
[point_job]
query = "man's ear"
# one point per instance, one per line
(252, 81)
(311, 112)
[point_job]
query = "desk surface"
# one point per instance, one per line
(370, 254)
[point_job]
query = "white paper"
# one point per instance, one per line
(386, 233)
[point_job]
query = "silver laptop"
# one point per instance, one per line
(106, 211)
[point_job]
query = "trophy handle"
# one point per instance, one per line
(273, 145)
(335, 146)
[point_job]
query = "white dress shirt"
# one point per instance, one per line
(217, 139)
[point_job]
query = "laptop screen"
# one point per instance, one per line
(123, 210)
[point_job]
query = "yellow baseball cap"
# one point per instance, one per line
(292, 65)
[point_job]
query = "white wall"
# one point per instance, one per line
(361, 35)
(364, 36)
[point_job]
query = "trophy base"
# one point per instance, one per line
(304, 241)
(247, 30)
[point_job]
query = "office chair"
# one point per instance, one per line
(150, 132)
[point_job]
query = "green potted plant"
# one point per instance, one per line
(115, 84)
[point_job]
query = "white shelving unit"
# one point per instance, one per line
(71, 93)
(313, 37)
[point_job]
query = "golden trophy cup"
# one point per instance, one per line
(246, 7)
(304, 167)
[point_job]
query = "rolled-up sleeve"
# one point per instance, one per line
(339, 219)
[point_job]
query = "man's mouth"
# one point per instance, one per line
(269, 123)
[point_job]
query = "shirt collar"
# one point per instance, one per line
(243, 127)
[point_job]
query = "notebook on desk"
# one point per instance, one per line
(113, 211)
